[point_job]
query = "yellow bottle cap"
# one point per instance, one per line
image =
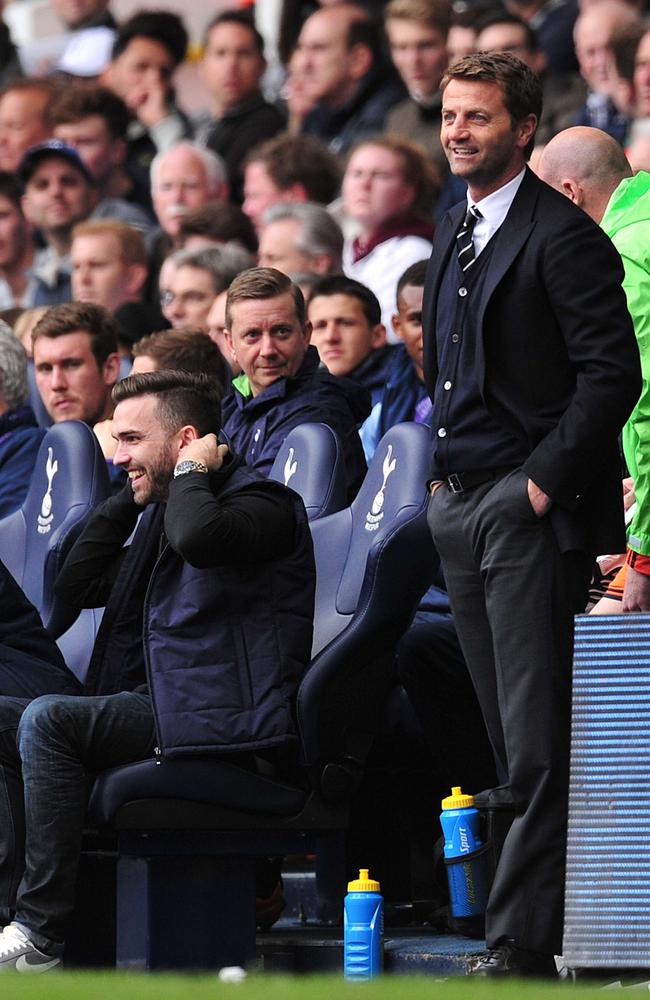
(457, 800)
(363, 883)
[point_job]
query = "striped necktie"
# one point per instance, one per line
(465, 238)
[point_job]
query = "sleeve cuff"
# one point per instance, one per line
(638, 562)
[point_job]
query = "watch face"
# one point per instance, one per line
(188, 465)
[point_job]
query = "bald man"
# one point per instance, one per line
(590, 168)
(595, 32)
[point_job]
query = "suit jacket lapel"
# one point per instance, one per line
(443, 244)
(511, 237)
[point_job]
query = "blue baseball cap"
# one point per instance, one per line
(52, 147)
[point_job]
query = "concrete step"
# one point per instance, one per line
(309, 948)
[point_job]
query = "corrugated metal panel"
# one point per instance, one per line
(607, 914)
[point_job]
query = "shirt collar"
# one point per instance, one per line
(494, 208)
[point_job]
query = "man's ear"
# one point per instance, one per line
(378, 336)
(118, 152)
(306, 331)
(136, 278)
(186, 435)
(527, 129)
(228, 338)
(572, 190)
(24, 202)
(111, 369)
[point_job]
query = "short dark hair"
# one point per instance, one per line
(413, 276)
(500, 16)
(521, 86)
(183, 398)
(184, 349)
(222, 222)
(263, 283)
(239, 17)
(624, 43)
(299, 159)
(365, 31)
(76, 103)
(159, 25)
(83, 317)
(11, 189)
(340, 284)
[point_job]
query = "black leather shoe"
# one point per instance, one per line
(506, 959)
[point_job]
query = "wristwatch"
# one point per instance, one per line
(188, 465)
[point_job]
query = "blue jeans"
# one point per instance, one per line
(50, 750)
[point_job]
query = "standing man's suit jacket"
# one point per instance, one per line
(558, 363)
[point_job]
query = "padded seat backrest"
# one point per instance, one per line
(35, 399)
(310, 461)
(374, 560)
(69, 479)
(393, 491)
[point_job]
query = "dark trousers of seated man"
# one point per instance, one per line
(514, 594)
(50, 749)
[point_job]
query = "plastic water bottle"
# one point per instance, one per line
(465, 861)
(363, 928)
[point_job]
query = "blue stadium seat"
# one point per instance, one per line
(311, 462)
(189, 830)
(35, 401)
(69, 480)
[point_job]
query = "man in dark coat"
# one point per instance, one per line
(281, 385)
(532, 366)
(223, 561)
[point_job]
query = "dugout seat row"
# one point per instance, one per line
(188, 831)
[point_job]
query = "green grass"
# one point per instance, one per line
(122, 986)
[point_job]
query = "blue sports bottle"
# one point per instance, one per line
(363, 928)
(464, 858)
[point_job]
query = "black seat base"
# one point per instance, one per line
(186, 899)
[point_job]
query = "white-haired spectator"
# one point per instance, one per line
(197, 278)
(20, 435)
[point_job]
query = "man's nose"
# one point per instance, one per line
(176, 311)
(457, 129)
(267, 347)
(121, 456)
(58, 380)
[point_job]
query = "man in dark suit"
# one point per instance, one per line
(531, 362)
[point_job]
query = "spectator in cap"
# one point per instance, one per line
(59, 193)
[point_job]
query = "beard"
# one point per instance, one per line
(159, 473)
